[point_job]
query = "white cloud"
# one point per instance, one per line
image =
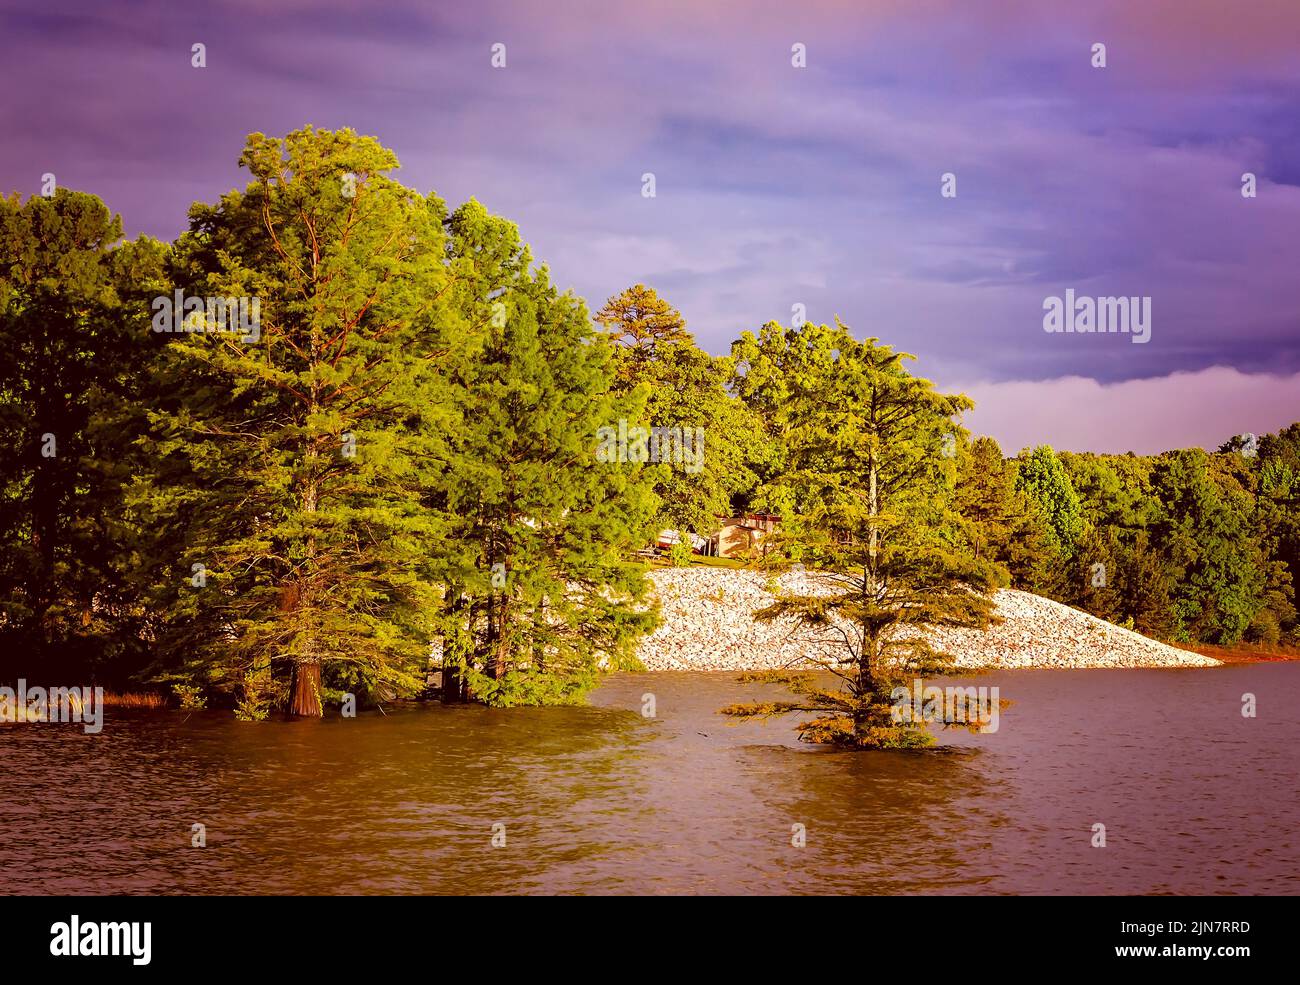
(1074, 413)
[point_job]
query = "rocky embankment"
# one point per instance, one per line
(708, 624)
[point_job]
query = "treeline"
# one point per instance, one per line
(399, 452)
(337, 433)
(1187, 545)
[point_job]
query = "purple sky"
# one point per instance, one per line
(775, 185)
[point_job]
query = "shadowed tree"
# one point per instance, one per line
(78, 345)
(1205, 534)
(1143, 590)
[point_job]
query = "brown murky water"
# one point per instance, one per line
(1195, 798)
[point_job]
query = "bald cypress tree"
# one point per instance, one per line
(292, 456)
(870, 474)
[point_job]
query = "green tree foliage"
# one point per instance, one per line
(1205, 534)
(1277, 522)
(404, 455)
(395, 446)
(864, 441)
(544, 596)
(76, 338)
(1177, 536)
(291, 465)
(684, 391)
(1044, 479)
(1001, 522)
(1142, 589)
(1090, 581)
(772, 373)
(641, 324)
(986, 496)
(1114, 491)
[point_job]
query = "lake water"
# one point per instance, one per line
(1195, 798)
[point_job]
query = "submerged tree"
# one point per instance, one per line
(869, 467)
(545, 596)
(292, 452)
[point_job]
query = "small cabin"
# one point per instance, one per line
(738, 536)
(743, 535)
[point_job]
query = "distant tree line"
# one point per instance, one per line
(1188, 545)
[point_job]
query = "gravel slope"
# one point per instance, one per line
(708, 625)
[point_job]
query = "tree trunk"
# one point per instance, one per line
(453, 654)
(871, 584)
(873, 529)
(451, 684)
(304, 692)
(496, 642)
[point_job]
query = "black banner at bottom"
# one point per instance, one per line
(132, 935)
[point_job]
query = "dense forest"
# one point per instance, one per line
(383, 440)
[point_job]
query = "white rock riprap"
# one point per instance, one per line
(708, 624)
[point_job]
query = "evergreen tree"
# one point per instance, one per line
(1114, 491)
(1094, 572)
(866, 444)
(1277, 521)
(1001, 522)
(985, 492)
(77, 347)
(1044, 479)
(1205, 534)
(640, 323)
(772, 373)
(550, 597)
(292, 460)
(1143, 589)
(708, 439)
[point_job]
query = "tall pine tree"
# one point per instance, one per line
(546, 596)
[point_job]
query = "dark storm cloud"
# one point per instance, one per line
(776, 186)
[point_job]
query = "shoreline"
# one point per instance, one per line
(1240, 654)
(709, 625)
